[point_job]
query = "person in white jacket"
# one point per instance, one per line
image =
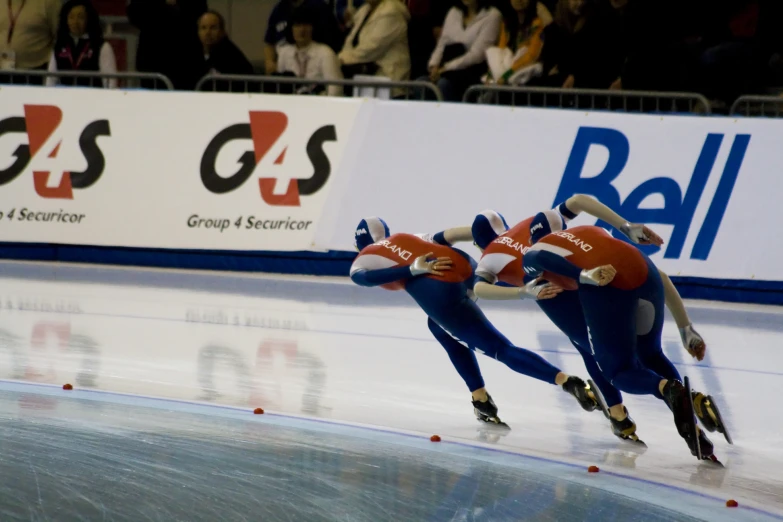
(378, 42)
(306, 58)
(459, 58)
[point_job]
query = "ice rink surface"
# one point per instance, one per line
(167, 368)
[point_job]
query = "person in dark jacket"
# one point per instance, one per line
(168, 39)
(278, 31)
(221, 55)
(80, 46)
(583, 47)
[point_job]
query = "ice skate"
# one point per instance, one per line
(487, 412)
(677, 396)
(582, 392)
(624, 429)
(707, 449)
(709, 415)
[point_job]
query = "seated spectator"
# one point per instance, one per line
(28, 29)
(543, 13)
(168, 40)
(424, 29)
(516, 58)
(309, 59)
(655, 56)
(221, 55)
(732, 61)
(581, 49)
(770, 41)
(378, 43)
(80, 46)
(459, 58)
(345, 10)
(278, 30)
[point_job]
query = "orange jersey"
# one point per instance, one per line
(502, 259)
(589, 247)
(402, 250)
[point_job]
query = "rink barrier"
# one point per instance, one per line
(365, 87)
(278, 183)
(589, 99)
(332, 263)
(758, 106)
(126, 80)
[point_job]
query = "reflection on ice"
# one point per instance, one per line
(327, 352)
(120, 457)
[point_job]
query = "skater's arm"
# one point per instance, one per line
(674, 302)
(541, 260)
(538, 261)
(579, 203)
(449, 236)
(381, 276)
(533, 290)
(490, 292)
(691, 340)
(457, 235)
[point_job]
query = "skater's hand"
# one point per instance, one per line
(693, 342)
(423, 265)
(535, 290)
(598, 276)
(548, 291)
(641, 234)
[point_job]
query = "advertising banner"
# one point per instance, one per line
(167, 170)
(707, 185)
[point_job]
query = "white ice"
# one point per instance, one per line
(323, 348)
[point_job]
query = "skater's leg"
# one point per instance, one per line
(469, 324)
(565, 311)
(611, 394)
(649, 323)
(649, 326)
(463, 358)
(610, 314)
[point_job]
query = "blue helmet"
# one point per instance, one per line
(545, 223)
(369, 231)
(486, 227)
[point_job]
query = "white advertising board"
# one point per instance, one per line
(167, 170)
(708, 185)
(231, 172)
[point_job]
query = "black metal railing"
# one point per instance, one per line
(408, 90)
(589, 99)
(126, 80)
(758, 106)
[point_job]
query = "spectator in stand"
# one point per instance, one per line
(168, 39)
(278, 30)
(221, 55)
(654, 54)
(345, 10)
(308, 59)
(378, 43)
(80, 46)
(770, 37)
(28, 30)
(519, 48)
(732, 61)
(459, 58)
(581, 49)
(424, 30)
